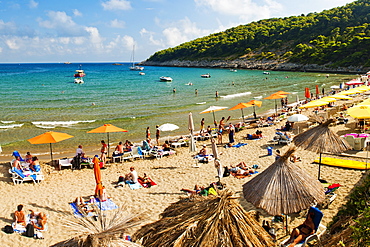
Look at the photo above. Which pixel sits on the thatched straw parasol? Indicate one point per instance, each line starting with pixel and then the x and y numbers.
pixel 321 139
pixel 205 221
pixel 107 231
pixel 283 188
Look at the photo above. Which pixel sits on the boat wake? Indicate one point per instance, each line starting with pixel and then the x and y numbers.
pixel 201 103
pixel 258 97
pixel 235 95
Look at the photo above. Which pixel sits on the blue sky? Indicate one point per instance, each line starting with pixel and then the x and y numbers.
pixel 107 30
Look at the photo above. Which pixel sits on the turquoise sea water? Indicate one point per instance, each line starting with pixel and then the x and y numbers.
pixel 36 98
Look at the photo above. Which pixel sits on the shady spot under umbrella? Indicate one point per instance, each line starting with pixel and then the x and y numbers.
pixel 295 118
pixel 107 128
pixel 50 137
pixel 240 106
pixel 276 96
pixel 321 139
pixel 213 109
pixel 255 103
pixel 283 188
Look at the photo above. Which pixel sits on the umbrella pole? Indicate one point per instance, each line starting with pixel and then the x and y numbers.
pixel 51 153
pixel 275 108
pixel 318 176
pixel 254 112
pixel 242 114
pixel 108 146
pixel 214 119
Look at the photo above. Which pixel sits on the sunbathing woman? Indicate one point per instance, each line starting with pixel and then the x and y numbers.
pixel 301 232
pixel 40 223
pixel 20 216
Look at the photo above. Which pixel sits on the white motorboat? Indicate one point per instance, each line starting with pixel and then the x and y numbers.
pixel 205 75
pixel 78 80
pixel 141 73
pixel 266 72
pixel 165 78
pixel 233 70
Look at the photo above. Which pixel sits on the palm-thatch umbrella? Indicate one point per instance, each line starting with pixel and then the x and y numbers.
pixel 108 230
pixel 205 221
pixel 321 139
pixel 283 188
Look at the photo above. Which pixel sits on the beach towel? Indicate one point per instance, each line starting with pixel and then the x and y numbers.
pixel 76 211
pixel 240 176
pixel 135 186
pixel 106 205
pixel 147 185
pixel 236 145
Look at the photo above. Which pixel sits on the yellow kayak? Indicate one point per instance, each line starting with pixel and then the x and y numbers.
pixel 352 164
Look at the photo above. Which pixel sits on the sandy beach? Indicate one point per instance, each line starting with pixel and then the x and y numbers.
pixel 171 173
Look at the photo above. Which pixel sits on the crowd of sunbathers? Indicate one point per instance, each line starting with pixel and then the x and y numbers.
pixel 202 190
pixel 242 169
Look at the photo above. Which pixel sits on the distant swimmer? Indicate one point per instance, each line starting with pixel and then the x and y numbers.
pixel 196 91
pixel 92 103
pixel 174 90
pixel 233 83
pixel 217 94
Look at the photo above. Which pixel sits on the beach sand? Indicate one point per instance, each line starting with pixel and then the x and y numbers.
pixel 170 173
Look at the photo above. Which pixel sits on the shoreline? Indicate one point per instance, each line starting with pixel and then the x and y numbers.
pixel 258 65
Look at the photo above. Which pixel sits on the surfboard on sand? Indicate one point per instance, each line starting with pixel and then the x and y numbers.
pixel 351 164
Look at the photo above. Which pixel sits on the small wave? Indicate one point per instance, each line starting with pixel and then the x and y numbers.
pixel 201 103
pixel 294 92
pixel 6 122
pixel 11 126
pixel 53 124
pixel 235 95
pixel 258 97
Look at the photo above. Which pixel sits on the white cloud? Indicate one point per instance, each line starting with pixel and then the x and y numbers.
pixel 117 24
pixel 76 12
pixel 62 24
pixel 183 31
pixel 246 10
pixel 12 44
pixel 33 4
pixel 95 37
pixel 116 5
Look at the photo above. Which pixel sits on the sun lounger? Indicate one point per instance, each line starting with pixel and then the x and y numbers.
pixel 67 162
pixel 19 177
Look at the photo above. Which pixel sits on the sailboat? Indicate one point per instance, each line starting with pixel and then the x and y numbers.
pixel 133 66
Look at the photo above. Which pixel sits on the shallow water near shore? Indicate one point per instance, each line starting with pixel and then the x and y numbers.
pixel 36 98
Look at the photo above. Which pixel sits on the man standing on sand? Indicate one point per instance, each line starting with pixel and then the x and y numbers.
pixel 157 134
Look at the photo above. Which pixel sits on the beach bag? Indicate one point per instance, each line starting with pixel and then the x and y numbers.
pixel 121 179
pixel 226 172
pixel 8 229
pixel 30 231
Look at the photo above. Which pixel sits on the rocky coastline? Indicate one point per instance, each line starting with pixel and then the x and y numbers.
pixel 273 65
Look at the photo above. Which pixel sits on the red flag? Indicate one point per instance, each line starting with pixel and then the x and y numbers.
pixel 317 90
pixel 307 93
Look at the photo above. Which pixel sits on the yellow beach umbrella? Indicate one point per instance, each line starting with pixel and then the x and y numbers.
pixel 360 111
pixel 365 102
pixel 328 99
pixel 314 103
pixel 255 103
pixel 276 96
pixel 339 96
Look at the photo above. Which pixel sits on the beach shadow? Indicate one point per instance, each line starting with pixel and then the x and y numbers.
pixel 166 193
pixel 164 168
pixel 49 208
pixel 262 156
pixel 6 220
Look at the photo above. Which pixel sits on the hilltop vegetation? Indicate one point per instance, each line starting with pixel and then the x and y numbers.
pixel 335 37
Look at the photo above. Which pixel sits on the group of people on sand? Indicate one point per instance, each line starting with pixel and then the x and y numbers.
pixel 37 219
pixel 31 163
pixel 242 169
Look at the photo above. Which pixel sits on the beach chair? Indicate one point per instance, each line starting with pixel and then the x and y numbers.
pixel 137 153
pixel 67 162
pixel 351 140
pixel 319 229
pixel 126 156
pixel 18 177
pixel 284 140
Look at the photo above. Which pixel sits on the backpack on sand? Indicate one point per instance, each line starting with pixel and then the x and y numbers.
pixel 30 231
pixel 8 229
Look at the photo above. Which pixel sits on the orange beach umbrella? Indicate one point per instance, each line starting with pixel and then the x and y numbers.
pixel 276 96
pixel 281 92
pixel 255 103
pixel 240 106
pixel 49 137
pixel 107 128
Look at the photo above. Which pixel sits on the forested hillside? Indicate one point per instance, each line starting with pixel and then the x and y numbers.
pixel 335 37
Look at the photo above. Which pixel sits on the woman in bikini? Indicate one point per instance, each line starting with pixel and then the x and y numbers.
pixel 301 232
